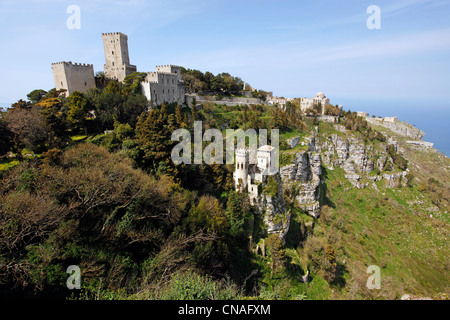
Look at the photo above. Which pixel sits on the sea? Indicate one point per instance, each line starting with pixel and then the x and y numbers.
pixel 430 116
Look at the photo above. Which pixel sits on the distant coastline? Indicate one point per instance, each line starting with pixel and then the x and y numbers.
pixel 429 116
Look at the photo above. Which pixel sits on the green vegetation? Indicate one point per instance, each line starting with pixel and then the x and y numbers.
pixel 88 180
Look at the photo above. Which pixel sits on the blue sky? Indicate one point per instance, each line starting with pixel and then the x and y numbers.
pixel 293 48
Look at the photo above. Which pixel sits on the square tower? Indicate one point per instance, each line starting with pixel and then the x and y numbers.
pixel 73 76
pixel 170 69
pixel 117 60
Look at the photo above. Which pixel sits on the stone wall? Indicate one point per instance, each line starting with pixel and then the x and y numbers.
pixel 164 85
pixel 401 128
pixel 117 60
pixel 73 76
pixel 227 101
pixel 331 119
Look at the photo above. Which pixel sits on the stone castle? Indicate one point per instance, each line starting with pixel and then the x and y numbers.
pixel 117 60
pixel 252 169
pixel 73 76
pixel 163 85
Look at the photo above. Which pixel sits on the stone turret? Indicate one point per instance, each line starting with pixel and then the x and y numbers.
pixel 241 172
pixel 117 60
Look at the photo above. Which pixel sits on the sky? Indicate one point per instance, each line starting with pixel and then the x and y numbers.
pixel 293 48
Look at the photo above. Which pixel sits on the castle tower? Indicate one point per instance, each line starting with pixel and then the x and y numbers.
pixel 73 76
pixel 117 60
pixel 164 85
pixel 241 172
pixel 170 69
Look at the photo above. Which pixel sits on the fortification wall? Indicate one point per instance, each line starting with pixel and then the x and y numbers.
pixel 73 76
pixel 227 101
pixel 162 87
pixel 401 128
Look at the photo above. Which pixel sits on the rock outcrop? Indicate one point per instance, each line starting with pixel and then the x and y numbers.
pixel 276 214
pixel 401 128
pixel 303 176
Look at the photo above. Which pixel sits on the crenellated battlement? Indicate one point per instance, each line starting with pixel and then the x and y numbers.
pixel 168 65
pixel 114 34
pixel 69 63
pixel 242 152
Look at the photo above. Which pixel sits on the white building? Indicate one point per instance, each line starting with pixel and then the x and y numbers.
pixel 164 85
pixel 252 169
pixel 362 114
pixel 391 119
pixel 319 99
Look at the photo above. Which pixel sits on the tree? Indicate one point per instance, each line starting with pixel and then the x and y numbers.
pixel 238 214
pixel 108 106
pixel 28 126
pixel 153 134
pixel 101 81
pixel 179 118
pixel 36 95
pixel 131 109
pixel 5 137
pixel 132 83
pixel 208 214
pixel 56 121
pixel 78 108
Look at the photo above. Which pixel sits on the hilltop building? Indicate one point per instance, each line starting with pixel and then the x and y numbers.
pixel 117 61
pixel 362 114
pixel 319 99
pixel 252 169
pixel 164 85
pixel 73 76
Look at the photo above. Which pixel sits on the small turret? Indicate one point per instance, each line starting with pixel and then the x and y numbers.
pixel 241 173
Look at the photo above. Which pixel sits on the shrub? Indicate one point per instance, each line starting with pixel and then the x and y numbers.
pixel 192 286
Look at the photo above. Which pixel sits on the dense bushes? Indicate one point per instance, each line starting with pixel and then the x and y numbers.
pixel 88 207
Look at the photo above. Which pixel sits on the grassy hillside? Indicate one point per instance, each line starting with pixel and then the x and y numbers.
pixel 386 228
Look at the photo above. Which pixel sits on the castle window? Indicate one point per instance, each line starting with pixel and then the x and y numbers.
pixel 113 64
pixel 113 52
pixel 85 84
pixel 61 83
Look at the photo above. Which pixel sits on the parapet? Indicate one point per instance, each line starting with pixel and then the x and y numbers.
pixel 69 63
pixel 241 152
pixel 168 65
pixel 114 34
